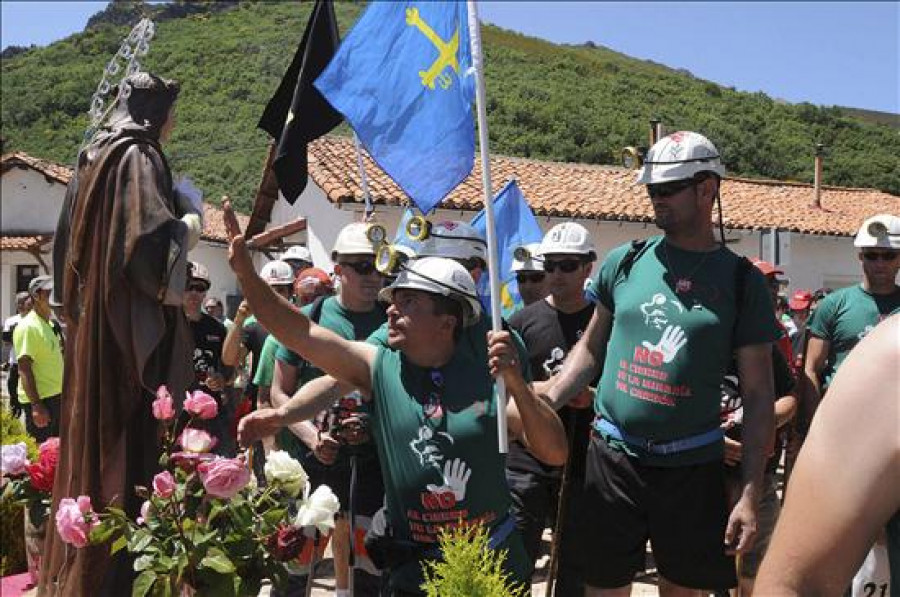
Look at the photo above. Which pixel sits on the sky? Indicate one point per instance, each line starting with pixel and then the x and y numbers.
pixel 826 53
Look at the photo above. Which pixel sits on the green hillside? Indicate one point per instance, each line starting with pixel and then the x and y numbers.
pixel 568 103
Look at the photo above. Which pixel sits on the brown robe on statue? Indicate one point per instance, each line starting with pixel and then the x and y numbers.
pixel 120 263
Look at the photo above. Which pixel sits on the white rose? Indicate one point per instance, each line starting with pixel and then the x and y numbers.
pixel 318 510
pixel 285 472
pixel 13 459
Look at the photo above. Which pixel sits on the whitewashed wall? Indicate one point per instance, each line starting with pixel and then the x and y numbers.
pixel 30 204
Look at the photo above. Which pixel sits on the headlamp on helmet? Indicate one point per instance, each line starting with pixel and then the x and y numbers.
pixel 438 275
pixel 680 156
pixel 881 231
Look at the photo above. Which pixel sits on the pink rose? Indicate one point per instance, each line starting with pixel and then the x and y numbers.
pixel 75 519
pixel 163 406
pixel 188 461
pixel 13 459
pixel 164 484
pixel 196 440
pixel 224 477
pixel 200 404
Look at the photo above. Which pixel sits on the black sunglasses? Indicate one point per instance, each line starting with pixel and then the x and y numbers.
pixel 197 287
pixel 667 189
pixel 566 266
pixel 363 268
pixel 876 255
pixel 534 278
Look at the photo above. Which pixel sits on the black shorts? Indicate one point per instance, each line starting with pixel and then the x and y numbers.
pixel 683 511
pixel 368 494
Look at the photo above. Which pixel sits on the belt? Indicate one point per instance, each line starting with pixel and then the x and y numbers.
pixel 610 429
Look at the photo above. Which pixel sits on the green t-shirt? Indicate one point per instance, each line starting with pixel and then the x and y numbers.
pixel 439 458
pixel 263 377
pixel 844 317
pixel 668 351
pixel 34 337
pixel 351 325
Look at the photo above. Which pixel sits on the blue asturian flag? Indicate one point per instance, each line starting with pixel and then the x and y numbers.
pixel 403 80
pixel 516 226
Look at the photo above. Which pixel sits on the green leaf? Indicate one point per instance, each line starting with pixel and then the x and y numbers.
pixel 103 532
pixel 139 541
pixel 143 563
pixel 143 583
pixel 118 544
pixel 274 516
pixel 218 561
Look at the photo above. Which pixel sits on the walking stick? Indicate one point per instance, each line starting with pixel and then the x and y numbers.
pixel 351 513
pixel 561 508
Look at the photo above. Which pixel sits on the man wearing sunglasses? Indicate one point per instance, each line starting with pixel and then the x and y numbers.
pixel 669 316
pixel 550 328
pixel 530 275
pixel 210 373
pixel 845 316
pixel 439 454
pixel 324 444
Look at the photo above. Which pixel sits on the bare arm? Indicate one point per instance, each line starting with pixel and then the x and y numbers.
pixel 344 359
pixel 754 364
pixel 842 490
pixel 233 350
pixel 584 361
pixel 816 358
pixel 309 400
pixel 529 417
pixel 284 382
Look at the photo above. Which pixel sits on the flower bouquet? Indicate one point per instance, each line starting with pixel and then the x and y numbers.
pixel 205 526
pixel 30 483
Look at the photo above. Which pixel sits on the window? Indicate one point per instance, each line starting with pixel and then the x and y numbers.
pixel 24 275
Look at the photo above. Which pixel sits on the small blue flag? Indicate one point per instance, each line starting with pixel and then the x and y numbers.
pixel 516 226
pixel 403 81
pixel 401 237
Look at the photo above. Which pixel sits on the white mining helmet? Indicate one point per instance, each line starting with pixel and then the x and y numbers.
pixel 277 273
pixel 455 240
pixel 297 252
pixel 568 238
pixel 526 259
pixel 439 276
pixel 357 239
pixel 881 231
pixel 680 156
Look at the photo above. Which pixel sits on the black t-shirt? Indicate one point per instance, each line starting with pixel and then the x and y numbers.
pixel 733 403
pixel 253 336
pixel 549 335
pixel 209 337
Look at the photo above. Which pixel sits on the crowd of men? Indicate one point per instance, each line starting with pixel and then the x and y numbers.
pixel 655 391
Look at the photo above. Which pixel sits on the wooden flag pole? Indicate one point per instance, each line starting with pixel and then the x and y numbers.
pixel 493 260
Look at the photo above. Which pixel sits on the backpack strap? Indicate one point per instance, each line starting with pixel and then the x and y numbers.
pixel 315 312
pixel 624 267
pixel 741 273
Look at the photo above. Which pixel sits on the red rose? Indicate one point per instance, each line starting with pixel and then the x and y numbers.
pixel 48 453
pixel 286 543
pixel 41 476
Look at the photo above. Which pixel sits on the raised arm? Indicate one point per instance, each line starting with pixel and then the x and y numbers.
pixel 845 485
pixel 233 350
pixel 531 419
pixel 346 360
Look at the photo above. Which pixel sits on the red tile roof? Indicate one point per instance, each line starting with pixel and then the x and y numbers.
pixel 609 193
pixel 53 171
pixel 213 217
pixel 24 243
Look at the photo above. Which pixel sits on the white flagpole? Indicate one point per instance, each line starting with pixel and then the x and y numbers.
pixel 493 260
pixel 363 179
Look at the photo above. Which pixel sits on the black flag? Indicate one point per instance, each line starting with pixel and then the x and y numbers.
pixel 298 113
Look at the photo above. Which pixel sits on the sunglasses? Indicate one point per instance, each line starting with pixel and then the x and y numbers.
pixel 667 189
pixel 197 287
pixel 875 256
pixel 363 268
pixel 535 278
pixel 566 266
pixel 472 263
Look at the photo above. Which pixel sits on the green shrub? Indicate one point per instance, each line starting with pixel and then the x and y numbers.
pixel 470 568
